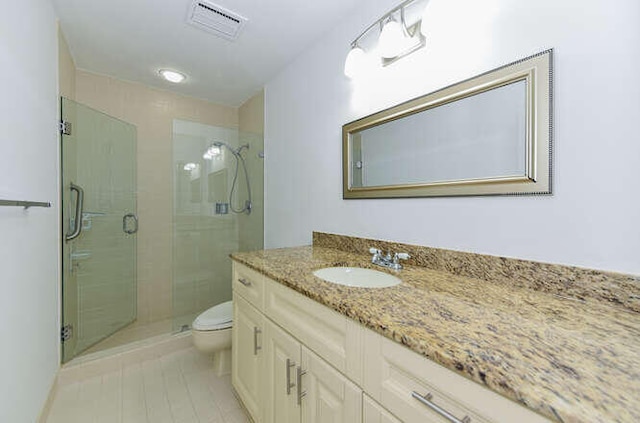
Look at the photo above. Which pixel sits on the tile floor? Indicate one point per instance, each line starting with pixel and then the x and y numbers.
pixel 179 387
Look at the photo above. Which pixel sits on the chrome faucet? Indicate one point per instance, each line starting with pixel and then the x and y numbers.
pixel 392 262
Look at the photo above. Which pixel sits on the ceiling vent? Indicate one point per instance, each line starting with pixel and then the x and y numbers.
pixel 215 19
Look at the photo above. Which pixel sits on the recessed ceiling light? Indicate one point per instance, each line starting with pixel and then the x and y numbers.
pixel 172 76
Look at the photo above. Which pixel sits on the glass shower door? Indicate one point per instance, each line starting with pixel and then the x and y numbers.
pixel 99 226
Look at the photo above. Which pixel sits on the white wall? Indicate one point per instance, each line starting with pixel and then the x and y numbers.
pixel 592 218
pixel 29 352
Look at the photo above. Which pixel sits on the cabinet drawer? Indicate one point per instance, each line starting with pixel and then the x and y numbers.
pixel 249 284
pixel 393 373
pixel 332 336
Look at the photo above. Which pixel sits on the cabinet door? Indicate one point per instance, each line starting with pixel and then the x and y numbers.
pixel 329 397
pixel 332 336
pixel 248 356
pixel 374 413
pixel 282 354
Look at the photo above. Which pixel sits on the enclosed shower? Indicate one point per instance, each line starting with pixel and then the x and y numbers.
pixel 216 208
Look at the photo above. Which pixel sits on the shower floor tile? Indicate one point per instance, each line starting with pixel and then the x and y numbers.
pixel 180 387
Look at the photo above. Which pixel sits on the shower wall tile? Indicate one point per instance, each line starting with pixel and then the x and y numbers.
pixel 153 112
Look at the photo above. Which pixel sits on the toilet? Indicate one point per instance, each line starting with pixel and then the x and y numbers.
pixel 211 333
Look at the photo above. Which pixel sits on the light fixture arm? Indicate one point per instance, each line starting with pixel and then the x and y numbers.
pixel 403 24
pixel 384 17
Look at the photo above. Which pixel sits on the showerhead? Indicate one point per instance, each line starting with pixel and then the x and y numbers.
pixel 235 151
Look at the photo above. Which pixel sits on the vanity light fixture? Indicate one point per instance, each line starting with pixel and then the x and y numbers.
pixel 172 76
pixel 356 61
pixel 395 41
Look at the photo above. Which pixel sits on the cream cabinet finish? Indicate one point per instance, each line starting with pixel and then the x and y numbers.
pixel 372 412
pixel 290 323
pixel 250 284
pixel 283 356
pixel 350 374
pixel 393 373
pixel 330 397
pixel 331 335
pixel 248 355
pixel 324 394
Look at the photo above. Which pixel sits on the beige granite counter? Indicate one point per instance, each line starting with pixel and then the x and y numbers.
pixel 572 360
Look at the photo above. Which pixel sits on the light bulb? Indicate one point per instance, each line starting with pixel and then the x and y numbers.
pixel 172 76
pixel 392 40
pixel 355 62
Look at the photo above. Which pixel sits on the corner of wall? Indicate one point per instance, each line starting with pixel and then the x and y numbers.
pixel 66 68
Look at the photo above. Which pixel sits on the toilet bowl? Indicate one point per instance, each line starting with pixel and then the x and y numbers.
pixel 211 333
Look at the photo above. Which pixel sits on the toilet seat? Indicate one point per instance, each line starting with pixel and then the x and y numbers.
pixel 216 318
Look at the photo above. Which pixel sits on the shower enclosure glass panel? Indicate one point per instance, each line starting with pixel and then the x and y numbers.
pixel 99 226
pixel 206 229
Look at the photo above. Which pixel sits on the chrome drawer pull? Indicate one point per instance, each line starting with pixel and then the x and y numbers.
pixel 301 393
pixel 256 347
pixel 290 364
pixel 244 282
pixel 426 400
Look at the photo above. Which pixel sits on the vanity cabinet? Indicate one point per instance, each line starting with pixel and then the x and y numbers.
pixel 275 373
pixel 295 360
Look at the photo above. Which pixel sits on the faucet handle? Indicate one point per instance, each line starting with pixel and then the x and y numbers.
pixel 400 256
pixel 376 255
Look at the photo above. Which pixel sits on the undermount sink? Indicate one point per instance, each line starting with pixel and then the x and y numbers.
pixel 357 277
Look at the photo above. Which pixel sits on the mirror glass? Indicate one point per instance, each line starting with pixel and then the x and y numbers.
pixel 482 136
pixel 485 136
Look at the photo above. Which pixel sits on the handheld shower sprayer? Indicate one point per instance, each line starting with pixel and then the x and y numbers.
pixel 239 159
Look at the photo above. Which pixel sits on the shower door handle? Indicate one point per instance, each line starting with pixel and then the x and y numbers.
pixel 125 227
pixel 77 221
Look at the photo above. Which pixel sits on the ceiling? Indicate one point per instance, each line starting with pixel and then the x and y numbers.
pixel 133 39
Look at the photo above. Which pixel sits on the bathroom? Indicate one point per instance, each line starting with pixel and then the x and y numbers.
pixel 299 107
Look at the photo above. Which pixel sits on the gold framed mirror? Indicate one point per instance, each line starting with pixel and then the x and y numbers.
pixel 488 135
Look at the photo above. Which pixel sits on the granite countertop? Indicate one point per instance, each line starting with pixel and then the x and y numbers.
pixel 571 360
